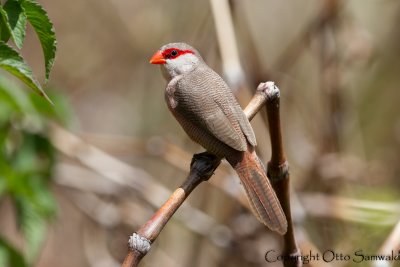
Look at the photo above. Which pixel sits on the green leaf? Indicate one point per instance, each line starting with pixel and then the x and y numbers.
pixel 33 227
pixel 3 139
pixel 39 20
pixel 4 25
pixel 10 256
pixel 11 61
pixel 15 97
pixel 16 20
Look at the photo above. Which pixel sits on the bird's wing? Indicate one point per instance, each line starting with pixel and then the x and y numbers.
pixel 244 124
pixel 231 108
pixel 220 126
pixel 205 99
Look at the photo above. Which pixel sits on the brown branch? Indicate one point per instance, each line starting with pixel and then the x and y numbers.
pixel 278 173
pixel 201 169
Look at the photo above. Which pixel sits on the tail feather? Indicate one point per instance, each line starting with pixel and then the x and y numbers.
pixel 263 201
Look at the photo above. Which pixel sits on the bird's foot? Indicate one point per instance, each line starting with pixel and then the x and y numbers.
pixel 204 164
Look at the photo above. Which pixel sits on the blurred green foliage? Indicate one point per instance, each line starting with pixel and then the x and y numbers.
pixel 26 162
pixel 26 154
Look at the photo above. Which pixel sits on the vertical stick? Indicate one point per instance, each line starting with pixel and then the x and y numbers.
pixel 232 68
pixel 278 173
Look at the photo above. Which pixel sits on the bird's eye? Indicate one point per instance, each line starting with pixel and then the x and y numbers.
pixel 174 53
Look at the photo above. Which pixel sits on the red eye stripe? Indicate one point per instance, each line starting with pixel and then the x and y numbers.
pixel 172 53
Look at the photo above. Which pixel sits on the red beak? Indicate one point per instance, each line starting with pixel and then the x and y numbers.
pixel 157 58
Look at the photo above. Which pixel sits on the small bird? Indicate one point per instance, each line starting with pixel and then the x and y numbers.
pixel 209 113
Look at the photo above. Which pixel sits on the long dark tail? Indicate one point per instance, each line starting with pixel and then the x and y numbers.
pixel 262 197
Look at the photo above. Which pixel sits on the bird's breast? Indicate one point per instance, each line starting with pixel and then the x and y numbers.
pixel 170 93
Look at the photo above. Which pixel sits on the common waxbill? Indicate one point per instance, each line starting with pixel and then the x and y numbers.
pixel 207 110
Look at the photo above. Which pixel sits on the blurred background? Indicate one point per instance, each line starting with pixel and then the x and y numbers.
pixel 109 153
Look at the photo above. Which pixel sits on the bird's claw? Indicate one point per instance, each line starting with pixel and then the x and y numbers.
pixel 204 164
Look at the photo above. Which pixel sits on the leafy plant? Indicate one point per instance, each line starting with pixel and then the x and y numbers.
pixel 15 14
pixel 26 163
pixel 26 154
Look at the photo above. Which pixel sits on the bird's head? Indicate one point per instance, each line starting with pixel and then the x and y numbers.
pixel 176 59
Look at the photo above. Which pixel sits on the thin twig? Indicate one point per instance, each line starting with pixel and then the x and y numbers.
pixel 278 173
pixel 391 244
pixel 201 169
pixel 351 209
